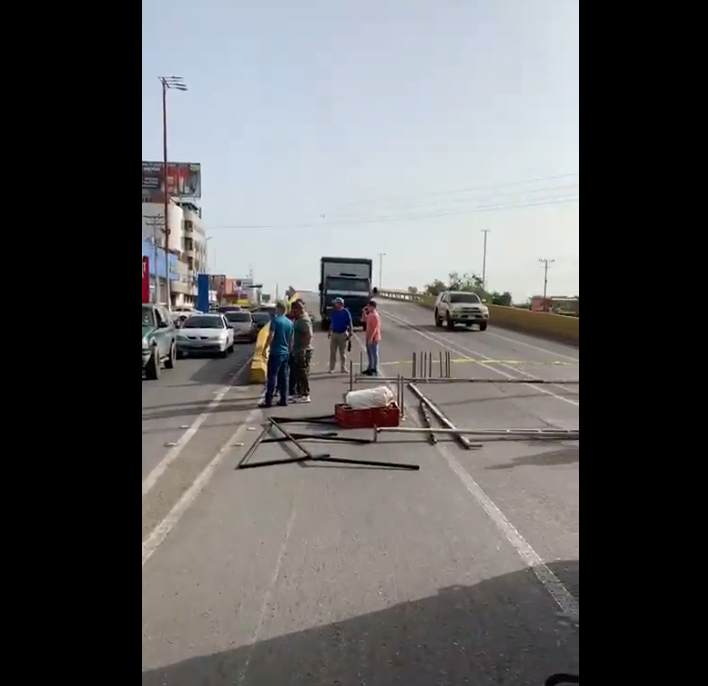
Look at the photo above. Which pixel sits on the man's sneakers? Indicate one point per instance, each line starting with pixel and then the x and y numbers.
pixel 300 399
pixel 370 372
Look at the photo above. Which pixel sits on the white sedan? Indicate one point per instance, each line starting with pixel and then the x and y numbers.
pixel 205 333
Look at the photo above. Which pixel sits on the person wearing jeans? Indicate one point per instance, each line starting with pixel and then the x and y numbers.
pixel 373 338
pixel 279 345
pixel 302 354
pixel 340 332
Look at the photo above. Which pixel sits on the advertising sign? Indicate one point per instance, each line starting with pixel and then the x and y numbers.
pixel 184 179
pixel 146 279
pixel 203 285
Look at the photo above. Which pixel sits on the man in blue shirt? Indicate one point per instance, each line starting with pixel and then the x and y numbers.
pixel 340 332
pixel 279 346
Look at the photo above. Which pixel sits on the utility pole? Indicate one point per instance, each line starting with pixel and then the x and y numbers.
pixel 156 224
pixel 484 260
pixel 381 256
pixel 546 266
pixel 168 83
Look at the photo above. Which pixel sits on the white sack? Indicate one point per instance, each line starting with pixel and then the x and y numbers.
pixel 368 398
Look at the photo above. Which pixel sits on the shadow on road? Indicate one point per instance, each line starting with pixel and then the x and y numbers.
pixel 502 396
pixel 215 369
pixel 504 631
pixel 567 455
pixel 198 408
pixel 458 329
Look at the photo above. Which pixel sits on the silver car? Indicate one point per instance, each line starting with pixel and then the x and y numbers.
pixel 205 333
pixel 245 330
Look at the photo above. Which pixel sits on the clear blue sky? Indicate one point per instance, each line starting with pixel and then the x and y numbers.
pixel 372 113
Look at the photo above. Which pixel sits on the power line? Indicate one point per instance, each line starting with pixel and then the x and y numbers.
pixel 469 189
pixel 412 217
pixel 423 207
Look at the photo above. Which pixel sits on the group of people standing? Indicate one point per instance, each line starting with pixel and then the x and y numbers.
pixel 290 351
pixel 290 346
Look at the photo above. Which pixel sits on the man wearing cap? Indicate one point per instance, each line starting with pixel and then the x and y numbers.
pixel 340 332
pixel 279 345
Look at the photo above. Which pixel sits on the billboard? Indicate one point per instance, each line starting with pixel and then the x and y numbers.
pixel 184 180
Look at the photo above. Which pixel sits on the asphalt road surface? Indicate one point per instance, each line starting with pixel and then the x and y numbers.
pixel 465 572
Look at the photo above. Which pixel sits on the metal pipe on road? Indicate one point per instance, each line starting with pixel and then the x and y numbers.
pixel 500 380
pixel 441 417
pixel 520 433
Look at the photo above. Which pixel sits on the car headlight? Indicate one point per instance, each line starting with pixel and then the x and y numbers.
pixel 181 337
pixel 485 309
pixel 146 345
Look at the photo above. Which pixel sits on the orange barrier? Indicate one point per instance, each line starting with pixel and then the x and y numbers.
pixel 259 364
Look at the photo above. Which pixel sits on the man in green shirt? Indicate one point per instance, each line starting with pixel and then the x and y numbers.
pixel 302 352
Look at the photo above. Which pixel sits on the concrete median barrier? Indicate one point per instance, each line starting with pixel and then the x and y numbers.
pixel 259 364
pixel 543 324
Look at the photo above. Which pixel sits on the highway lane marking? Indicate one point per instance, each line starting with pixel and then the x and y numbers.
pixel 164 464
pixel 443 342
pixel 533 347
pixel 268 597
pixel 164 528
pixel 529 345
pixel 554 586
pixel 467 360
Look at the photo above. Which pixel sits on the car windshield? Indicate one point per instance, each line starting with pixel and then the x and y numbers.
pixel 148 317
pixel 204 323
pixel 340 285
pixel 261 317
pixel 465 298
pixel 239 317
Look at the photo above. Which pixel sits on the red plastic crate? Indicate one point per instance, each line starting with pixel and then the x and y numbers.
pixel 349 418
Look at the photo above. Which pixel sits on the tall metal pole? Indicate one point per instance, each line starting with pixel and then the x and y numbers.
pixel 546 265
pixel 381 256
pixel 484 260
pixel 166 175
pixel 168 83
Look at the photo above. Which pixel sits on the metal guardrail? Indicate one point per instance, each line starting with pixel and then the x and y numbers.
pixel 545 324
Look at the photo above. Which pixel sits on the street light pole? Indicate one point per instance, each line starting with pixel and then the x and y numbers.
pixel 168 83
pixel 546 265
pixel 484 260
pixel 381 256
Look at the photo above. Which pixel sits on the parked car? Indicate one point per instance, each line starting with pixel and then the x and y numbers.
pixel 260 319
pixel 461 307
pixel 245 330
pixel 159 341
pixel 205 333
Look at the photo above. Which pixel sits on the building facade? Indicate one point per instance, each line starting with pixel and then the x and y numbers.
pixel 187 246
